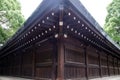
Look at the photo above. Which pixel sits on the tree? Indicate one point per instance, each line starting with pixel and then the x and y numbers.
pixel 11 18
pixel 112 22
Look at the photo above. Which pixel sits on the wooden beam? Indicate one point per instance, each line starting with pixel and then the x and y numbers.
pixel 33 62
pixel 21 64
pixel 108 65
pixel 118 65
pixel 114 65
pixel 100 68
pixel 54 59
pixel 86 61
pixel 60 71
pixel 60 44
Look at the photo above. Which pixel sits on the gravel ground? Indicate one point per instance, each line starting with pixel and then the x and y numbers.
pixel 108 78
pixel 104 78
pixel 12 78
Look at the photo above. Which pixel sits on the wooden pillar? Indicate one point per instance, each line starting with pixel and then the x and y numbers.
pixel 33 62
pixel 60 44
pixel 21 64
pixel 100 65
pixel 54 59
pixel 108 65
pixel 118 65
pixel 114 65
pixel 60 71
pixel 13 74
pixel 86 61
pixel 21 69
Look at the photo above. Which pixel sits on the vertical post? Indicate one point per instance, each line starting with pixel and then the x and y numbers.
pixel 21 64
pixel 113 66
pixel 21 71
pixel 33 63
pixel 86 61
pixel 118 66
pixel 54 59
pixel 60 71
pixel 108 65
pixel 100 65
pixel 60 60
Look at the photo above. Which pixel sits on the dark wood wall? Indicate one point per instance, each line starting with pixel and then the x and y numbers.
pixel 74 60
pixel 44 62
pixel 41 62
pixel 34 62
pixel 84 62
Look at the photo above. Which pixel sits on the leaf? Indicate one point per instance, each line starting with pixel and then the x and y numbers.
pixel 11 18
pixel 112 22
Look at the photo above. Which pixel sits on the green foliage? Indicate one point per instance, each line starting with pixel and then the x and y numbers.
pixel 112 24
pixel 6 5
pixel 10 18
pixel 3 36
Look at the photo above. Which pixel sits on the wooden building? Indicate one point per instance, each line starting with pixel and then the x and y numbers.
pixel 60 41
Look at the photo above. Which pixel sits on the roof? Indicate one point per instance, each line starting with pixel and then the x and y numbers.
pixel 46 22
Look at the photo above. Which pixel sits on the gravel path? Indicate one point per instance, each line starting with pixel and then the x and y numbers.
pixel 105 78
pixel 108 78
pixel 12 78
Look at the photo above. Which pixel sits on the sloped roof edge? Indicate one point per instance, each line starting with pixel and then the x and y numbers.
pixel 87 15
pixel 33 17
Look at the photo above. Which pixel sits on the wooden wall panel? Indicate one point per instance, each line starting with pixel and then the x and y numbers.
pixel 93 57
pixel 93 62
pixel 43 67
pixel 73 72
pixel 104 64
pixel 74 55
pixel 17 64
pixel 27 63
pixel 41 62
pixel 103 59
pixel 74 60
pixel 74 52
pixel 93 72
pixel 104 71
pixel 118 66
pixel 110 63
pixel 44 73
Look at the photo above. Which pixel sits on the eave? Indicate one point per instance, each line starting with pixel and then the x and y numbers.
pixel 44 24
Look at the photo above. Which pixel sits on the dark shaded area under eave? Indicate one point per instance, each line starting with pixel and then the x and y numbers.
pixel 77 8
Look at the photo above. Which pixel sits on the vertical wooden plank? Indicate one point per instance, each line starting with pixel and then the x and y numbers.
pixel 13 64
pixel 54 59
pixel 33 62
pixel 108 65
pixel 100 65
pixel 86 61
pixel 113 65
pixel 60 72
pixel 21 64
pixel 118 65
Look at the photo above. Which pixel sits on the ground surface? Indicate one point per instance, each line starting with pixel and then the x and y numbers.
pixel 12 78
pixel 108 78
pixel 16 78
